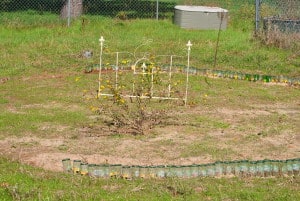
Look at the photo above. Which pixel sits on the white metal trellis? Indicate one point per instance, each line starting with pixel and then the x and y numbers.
pixel 137 72
pixel 101 40
pixel 189 45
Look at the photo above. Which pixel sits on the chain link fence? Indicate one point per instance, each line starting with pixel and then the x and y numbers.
pixel 278 15
pixel 128 9
pixel 112 8
pixel 278 22
pixel 284 14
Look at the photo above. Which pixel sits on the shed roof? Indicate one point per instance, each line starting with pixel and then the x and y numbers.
pixel 201 9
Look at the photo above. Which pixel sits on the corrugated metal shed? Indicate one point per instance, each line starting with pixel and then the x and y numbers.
pixel 200 17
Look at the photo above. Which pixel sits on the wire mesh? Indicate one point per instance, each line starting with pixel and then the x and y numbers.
pixel 124 9
pixel 278 15
pixel 287 11
pixel 112 8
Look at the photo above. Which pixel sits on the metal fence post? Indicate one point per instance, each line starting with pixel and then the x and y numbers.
pixel 257 14
pixel 69 12
pixel 157 9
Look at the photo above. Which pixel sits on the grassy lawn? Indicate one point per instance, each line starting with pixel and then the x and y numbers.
pixel 46 105
pixel 20 182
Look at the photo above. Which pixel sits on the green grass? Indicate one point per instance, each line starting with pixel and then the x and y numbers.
pixel 20 182
pixel 33 48
pixel 30 18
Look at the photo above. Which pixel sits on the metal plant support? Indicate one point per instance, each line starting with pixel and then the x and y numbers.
pixel 101 40
pixel 189 45
pixel 142 72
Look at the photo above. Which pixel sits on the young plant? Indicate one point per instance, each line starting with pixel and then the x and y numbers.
pixel 138 113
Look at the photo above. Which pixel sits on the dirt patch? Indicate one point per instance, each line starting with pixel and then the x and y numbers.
pixel 242 137
pixel 45 153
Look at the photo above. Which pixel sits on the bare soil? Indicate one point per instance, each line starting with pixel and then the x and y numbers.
pixel 245 138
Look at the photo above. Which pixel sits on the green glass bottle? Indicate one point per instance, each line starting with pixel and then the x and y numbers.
pixel 84 169
pixel 267 168
pixel 228 168
pixel 203 170
pixel 244 168
pixel 296 166
pixel 143 172
pixel 289 165
pixel 126 172
pixel 135 169
pixel 194 170
pixel 115 170
pixel 161 171
pixel 91 169
pixel 67 166
pixel 211 169
pixel 260 168
pixel 218 168
pixel 252 168
pixel 76 166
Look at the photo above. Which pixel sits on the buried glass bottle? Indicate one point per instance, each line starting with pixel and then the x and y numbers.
pixel 267 168
pixel 170 171
pixel 91 169
pixel 219 168
pixel 228 169
pixel 152 171
pixel 252 168
pixel 186 171
pixel 98 172
pixel 244 168
pixel 161 171
pixel 289 166
pixel 260 168
pixel 115 170
pixel 211 169
pixel 67 166
pixel 178 171
pixel 275 167
pixel 84 169
pixel 76 166
pixel 143 172
pixel 194 170
pixel 203 170
pixel 284 168
pixel 135 171
pixel 106 172
pixel 296 166
pixel 236 168
pixel 101 170
pixel 126 172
